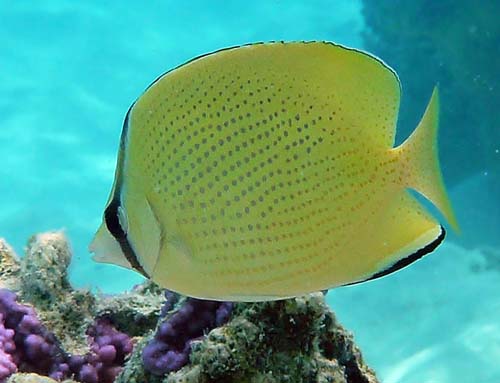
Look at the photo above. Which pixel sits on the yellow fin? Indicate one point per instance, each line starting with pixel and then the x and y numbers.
pixel 401 232
pixel 420 162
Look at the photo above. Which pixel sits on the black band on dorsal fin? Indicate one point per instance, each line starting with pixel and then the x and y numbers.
pixel 406 260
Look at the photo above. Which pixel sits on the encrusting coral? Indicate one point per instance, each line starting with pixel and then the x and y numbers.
pixel 50 332
pixel 34 378
pixel 109 348
pixel 34 348
pixel 82 341
pixel 7 349
pixel 9 267
pixel 44 283
pixel 171 345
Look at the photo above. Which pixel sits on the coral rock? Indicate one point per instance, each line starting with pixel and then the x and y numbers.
pixel 34 378
pixel 171 346
pixel 9 266
pixel 133 312
pixel 65 332
pixel 45 285
pixel 294 340
pixel 44 268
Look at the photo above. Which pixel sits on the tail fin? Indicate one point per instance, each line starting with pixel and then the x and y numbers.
pixel 419 157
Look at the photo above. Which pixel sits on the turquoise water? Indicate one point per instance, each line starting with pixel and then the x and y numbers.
pixel 69 71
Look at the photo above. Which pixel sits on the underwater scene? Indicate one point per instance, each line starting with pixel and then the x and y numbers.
pixel 256 192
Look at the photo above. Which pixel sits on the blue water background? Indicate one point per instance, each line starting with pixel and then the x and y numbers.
pixel 68 73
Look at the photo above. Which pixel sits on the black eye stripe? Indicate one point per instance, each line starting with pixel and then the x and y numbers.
pixel 111 213
pixel 112 221
pixel 116 230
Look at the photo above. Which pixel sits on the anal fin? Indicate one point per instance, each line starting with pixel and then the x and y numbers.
pixel 402 232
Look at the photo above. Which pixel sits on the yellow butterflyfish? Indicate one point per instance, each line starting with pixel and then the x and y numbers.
pixel 268 171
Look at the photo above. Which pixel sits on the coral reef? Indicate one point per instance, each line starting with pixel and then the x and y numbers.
pixel 134 312
pixel 109 349
pixel 44 283
pixel 28 345
pixel 170 348
pixel 57 303
pixel 83 341
pixel 131 338
pixel 34 348
pixel 294 340
pixel 34 378
pixel 9 266
pixel 455 44
pixel 7 349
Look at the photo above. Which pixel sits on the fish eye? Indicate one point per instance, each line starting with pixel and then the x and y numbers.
pixel 113 221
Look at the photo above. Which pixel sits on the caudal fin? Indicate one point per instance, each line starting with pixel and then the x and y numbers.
pixel 420 162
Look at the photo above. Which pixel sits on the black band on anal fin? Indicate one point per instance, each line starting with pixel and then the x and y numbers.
pixel 407 260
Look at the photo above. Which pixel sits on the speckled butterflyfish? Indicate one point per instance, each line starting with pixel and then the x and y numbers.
pixel 268 171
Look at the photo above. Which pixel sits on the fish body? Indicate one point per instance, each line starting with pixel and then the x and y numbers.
pixel 269 171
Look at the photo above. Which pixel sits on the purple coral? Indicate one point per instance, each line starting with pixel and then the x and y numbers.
pixel 109 348
pixel 171 299
pixel 7 348
pixel 35 348
pixel 27 345
pixel 169 349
